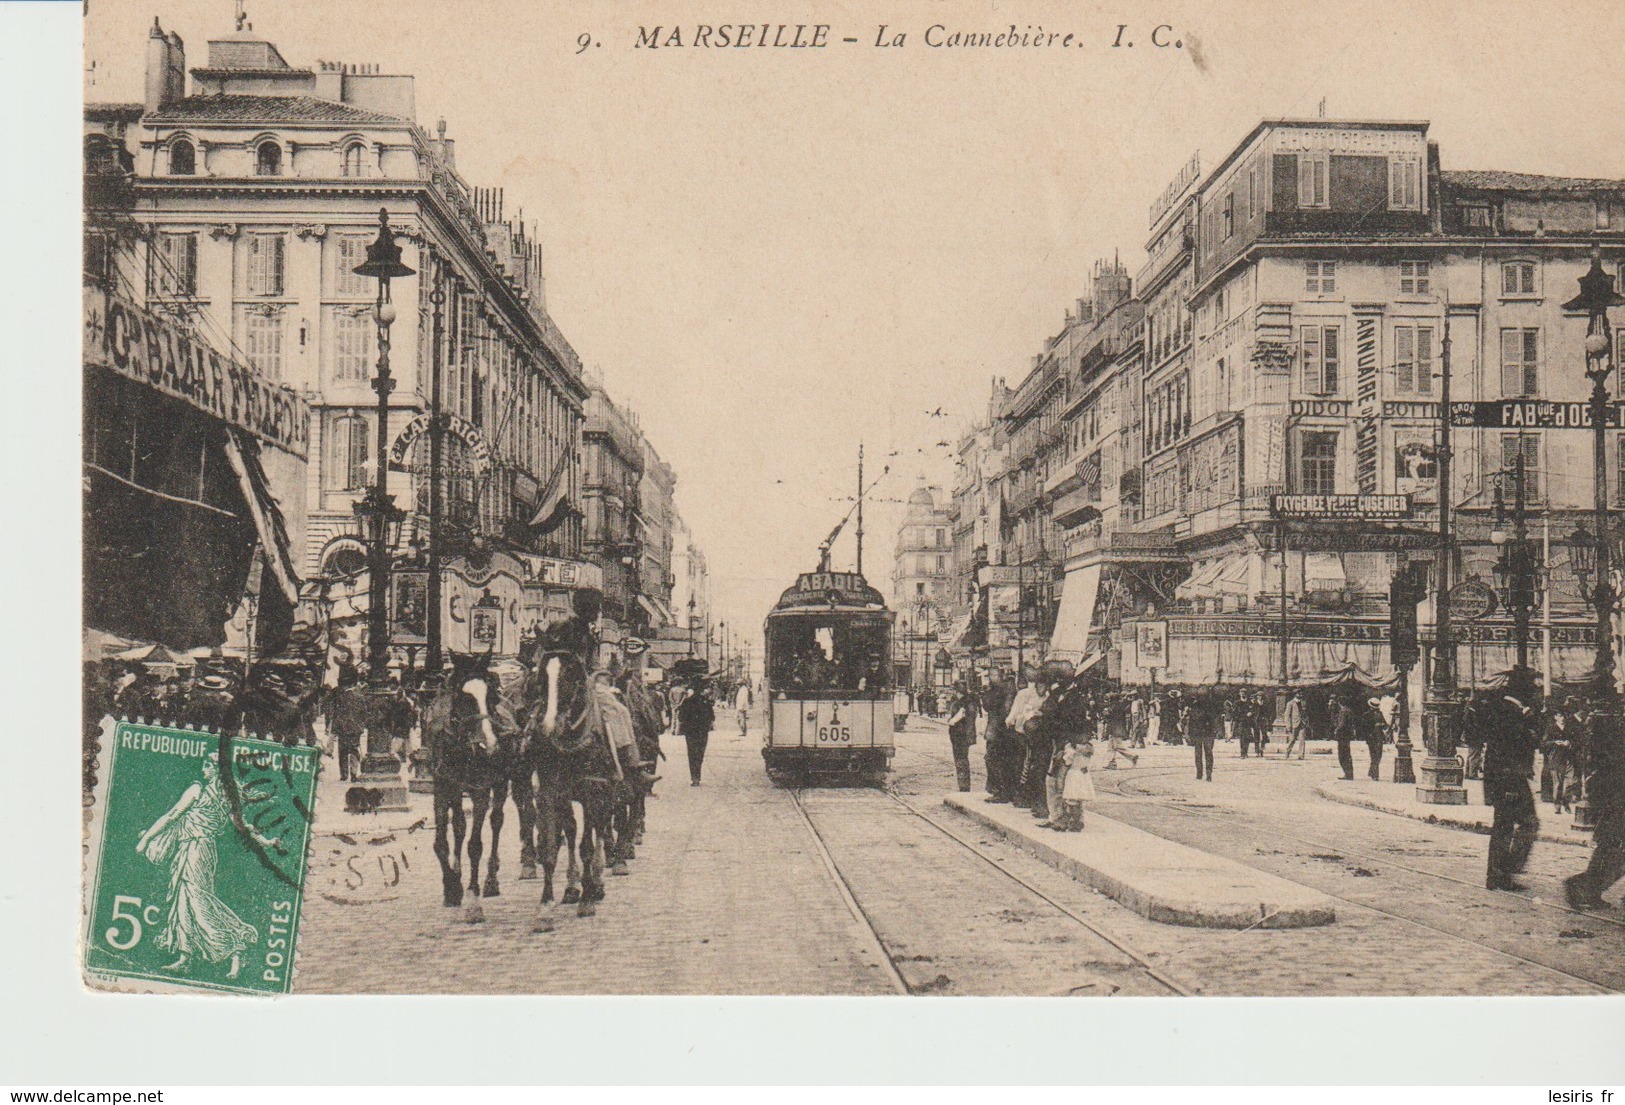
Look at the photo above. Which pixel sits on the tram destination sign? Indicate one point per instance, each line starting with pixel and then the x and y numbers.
pixel 1532 414
pixel 1364 508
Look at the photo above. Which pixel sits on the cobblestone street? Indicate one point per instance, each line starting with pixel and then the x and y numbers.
pixel 730 894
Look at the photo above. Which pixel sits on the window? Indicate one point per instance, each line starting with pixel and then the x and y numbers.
pixel 1518 278
pixel 1312 179
pixel 263 343
pixel 182 158
pixel 349 251
pixel 1529 446
pixel 1404 187
pixel 1619 471
pixel 1317 462
pixel 265 255
pixel 1520 361
pixel 352 346
pixel 347 454
pixel 1320 277
pixel 942 564
pixel 1413 359
pixel 177 264
pixel 354 160
pixel 1252 192
pixel 1229 214
pixel 1320 351
pixel 1475 215
pixel 1415 277
pixel 268 159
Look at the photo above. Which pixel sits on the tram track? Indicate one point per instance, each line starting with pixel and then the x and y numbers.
pixel 1124 787
pixel 1140 961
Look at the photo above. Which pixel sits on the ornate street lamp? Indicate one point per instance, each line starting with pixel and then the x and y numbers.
pixel 1597 294
pixel 1515 569
pixel 377 508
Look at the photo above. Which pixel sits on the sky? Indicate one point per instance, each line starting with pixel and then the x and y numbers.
pixel 773 255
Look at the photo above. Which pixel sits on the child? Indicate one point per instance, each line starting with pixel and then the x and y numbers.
pixel 1078 785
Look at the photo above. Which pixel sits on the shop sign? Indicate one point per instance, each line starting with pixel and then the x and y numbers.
pixel 1367 508
pixel 1471 600
pixel 141 346
pixel 479 452
pixel 1151 644
pixel 1532 414
pixel 1320 408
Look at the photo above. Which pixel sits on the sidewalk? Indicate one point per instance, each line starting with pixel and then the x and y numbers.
pixel 331 817
pixel 1475 816
pixel 1158 879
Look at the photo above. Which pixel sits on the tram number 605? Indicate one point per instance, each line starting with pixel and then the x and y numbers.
pixel 834 734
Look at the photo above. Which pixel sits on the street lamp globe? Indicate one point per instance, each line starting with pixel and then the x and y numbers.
pixel 384 314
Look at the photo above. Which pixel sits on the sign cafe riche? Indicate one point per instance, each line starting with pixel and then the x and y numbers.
pixel 141 346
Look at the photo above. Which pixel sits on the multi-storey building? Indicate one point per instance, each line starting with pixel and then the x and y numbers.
pixel 611 489
pixel 922 582
pixel 691 589
pixel 1334 265
pixel 659 518
pixel 257 195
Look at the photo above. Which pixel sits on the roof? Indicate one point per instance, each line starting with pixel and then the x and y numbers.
pixel 113 111
pixel 1494 180
pixel 1316 124
pixel 265 109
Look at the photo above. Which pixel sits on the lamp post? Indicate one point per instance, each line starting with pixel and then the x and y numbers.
pixel 1439 779
pixel 692 618
pixel 1515 570
pixel 1597 294
pixel 377 508
pixel 433 659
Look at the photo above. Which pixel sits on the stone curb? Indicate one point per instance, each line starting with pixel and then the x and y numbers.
pixel 1239 897
pixel 1464 822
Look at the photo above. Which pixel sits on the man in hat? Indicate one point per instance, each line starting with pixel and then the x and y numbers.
pixel 1511 734
pixel 1206 720
pixel 1297 725
pixel 1605 788
pixel 997 699
pixel 696 714
pixel 577 634
pixel 347 712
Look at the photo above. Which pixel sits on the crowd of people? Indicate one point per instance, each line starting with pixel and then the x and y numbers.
pixel 1046 735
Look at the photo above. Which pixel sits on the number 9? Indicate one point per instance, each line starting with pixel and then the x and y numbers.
pixel 583 41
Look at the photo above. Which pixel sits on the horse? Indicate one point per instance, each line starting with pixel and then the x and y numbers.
pixel 564 746
pixel 471 736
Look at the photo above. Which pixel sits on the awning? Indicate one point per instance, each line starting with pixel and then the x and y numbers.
pixel 1235 576
pixel 1200 583
pixel 956 634
pixel 243 453
pixel 1323 572
pixel 663 610
pixel 1070 641
pixel 649 608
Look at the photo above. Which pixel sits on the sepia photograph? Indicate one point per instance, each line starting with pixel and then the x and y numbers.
pixel 928 499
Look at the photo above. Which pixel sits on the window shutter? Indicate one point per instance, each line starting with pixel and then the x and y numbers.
pixel 1424 360
pixel 1329 355
pixel 1531 362
pixel 1405 358
pixel 1511 369
pixel 1309 351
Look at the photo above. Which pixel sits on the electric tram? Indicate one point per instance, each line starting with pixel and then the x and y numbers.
pixel 828 686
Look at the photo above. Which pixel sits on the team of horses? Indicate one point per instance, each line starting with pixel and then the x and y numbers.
pixel 557 738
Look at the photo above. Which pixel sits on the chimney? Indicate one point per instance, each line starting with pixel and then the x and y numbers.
pixel 176 85
pixel 161 61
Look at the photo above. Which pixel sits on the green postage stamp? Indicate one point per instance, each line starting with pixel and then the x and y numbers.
pixel 197 861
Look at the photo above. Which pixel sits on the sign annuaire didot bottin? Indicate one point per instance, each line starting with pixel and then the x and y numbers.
pixel 1532 414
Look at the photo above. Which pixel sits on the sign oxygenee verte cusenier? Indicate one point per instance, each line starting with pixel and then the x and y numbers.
pixel 1366 508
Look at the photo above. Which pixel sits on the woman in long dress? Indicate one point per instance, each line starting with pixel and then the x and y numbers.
pixel 197 922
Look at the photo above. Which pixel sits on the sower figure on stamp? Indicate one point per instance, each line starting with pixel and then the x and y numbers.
pixel 1511 733
pixel 196 922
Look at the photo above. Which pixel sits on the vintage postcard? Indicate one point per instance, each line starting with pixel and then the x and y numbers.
pixel 945 498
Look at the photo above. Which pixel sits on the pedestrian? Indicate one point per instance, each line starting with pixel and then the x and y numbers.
pixel 1555 757
pixel 1024 723
pixel 961 732
pixel 1473 739
pixel 742 707
pixel 1244 721
pixel 1604 788
pixel 1264 706
pixel 1153 720
pixel 1297 725
pixel 1078 785
pixel 1117 725
pixel 1067 716
pixel 1343 725
pixel 347 710
pixel 997 699
pixel 1375 731
pixel 1511 730
pixel 695 717
pixel 1205 722
pixel 1175 713
pixel 1138 716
